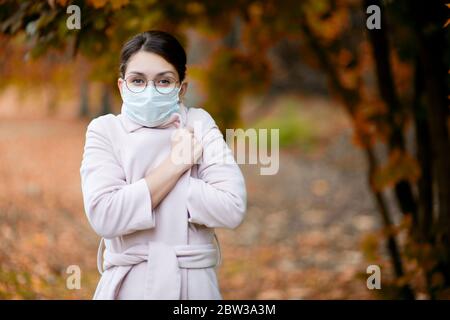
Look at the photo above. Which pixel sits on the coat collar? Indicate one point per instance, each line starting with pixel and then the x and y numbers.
pixel 130 125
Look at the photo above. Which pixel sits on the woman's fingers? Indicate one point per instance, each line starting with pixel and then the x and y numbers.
pixel 197 150
pixel 186 146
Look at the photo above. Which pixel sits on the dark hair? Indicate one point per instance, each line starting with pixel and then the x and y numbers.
pixel 158 42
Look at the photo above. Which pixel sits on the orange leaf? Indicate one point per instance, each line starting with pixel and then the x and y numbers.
pixel 447 23
pixel 400 166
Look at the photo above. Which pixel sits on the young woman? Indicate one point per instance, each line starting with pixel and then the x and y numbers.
pixel 153 187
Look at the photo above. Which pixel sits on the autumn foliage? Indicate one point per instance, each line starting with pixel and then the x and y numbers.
pixel 392 83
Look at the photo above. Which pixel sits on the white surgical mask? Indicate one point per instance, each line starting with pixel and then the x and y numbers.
pixel 149 107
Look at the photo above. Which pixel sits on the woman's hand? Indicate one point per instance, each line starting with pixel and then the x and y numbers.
pixel 185 152
pixel 186 149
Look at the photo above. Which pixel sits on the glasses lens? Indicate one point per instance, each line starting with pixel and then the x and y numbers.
pixel 136 83
pixel 165 85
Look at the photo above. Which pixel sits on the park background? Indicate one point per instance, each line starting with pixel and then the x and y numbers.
pixel 363 118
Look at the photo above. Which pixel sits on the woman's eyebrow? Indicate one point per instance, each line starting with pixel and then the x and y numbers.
pixel 158 74
pixel 137 72
pixel 164 72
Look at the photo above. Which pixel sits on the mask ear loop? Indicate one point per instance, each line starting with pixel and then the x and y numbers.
pixel 180 123
pixel 179 89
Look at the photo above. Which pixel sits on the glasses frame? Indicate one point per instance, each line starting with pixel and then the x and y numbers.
pixel 154 85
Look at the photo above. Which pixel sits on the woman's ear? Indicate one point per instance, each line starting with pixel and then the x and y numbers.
pixel 119 84
pixel 183 89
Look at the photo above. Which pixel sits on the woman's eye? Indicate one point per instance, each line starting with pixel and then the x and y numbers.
pixel 164 82
pixel 138 81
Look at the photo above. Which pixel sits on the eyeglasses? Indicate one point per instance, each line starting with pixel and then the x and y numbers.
pixel 163 84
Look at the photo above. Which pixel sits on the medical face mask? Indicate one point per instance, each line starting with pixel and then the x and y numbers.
pixel 149 107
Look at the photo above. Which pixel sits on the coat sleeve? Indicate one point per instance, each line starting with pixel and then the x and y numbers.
pixel 113 206
pixel 218 197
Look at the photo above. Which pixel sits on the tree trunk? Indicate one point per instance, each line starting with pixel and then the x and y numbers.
pixel 395 117
pixel 422 136
pixel 405 291
pixel 84 100
pixel 428 28
pixel 106 106
pixel 351 99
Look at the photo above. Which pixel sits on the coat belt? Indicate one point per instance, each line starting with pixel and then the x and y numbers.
pixel 163 275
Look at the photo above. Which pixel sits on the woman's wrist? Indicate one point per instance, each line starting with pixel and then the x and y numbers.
pixel 176 168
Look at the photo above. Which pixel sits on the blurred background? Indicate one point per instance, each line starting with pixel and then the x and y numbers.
pixel 363 118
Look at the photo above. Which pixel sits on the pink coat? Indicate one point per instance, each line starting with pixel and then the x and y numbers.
pixel 167 252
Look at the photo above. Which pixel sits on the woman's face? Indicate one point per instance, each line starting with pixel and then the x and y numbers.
pixel 151 65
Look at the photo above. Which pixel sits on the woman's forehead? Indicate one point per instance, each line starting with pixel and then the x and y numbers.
pixel 150 64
